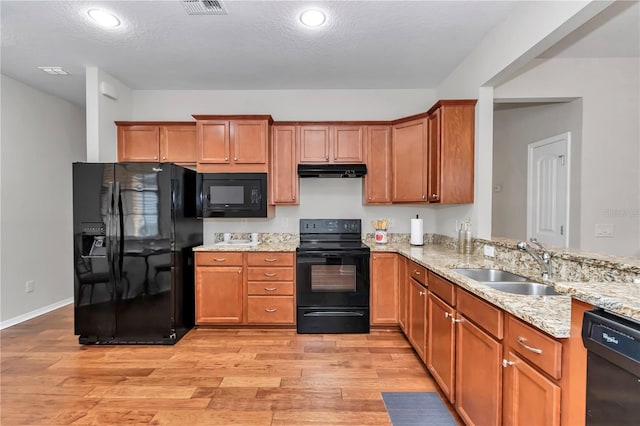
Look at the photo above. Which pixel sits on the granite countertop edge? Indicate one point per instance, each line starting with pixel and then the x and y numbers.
pixel 263 246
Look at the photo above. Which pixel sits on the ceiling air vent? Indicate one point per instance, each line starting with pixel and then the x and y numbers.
pixel 204 7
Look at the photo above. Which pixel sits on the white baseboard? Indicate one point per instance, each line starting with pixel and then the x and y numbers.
pixel 36 313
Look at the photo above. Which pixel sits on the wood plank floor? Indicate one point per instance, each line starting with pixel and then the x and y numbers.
pixel 211 377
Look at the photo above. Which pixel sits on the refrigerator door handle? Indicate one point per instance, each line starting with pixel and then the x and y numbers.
pixel 117 237
pixel 109 231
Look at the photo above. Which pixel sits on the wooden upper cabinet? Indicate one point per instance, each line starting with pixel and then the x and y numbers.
pixel 409 162
pixel 233 143
pixel 451 151
pixel 213 141
pixel 314 144
pixel 324 143
pixel 249 139
pixel 377 181
pixel 348 144
pixel 157 141
pixel 178 144
pixel 284 157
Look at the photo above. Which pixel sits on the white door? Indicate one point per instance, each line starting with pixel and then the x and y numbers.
pixel 548 190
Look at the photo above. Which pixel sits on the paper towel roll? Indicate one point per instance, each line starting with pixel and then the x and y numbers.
pixel 417 236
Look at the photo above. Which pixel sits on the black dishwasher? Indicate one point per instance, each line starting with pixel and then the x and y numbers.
pixel 613 368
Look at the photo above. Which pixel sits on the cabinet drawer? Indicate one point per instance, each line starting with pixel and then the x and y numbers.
pixel 221 258
pixel 270 259
pixel 270 274
pixel 270 310
pixel 442 288
pixel 272 288
pixel 417 272
pixel 482 313
pixel 535 346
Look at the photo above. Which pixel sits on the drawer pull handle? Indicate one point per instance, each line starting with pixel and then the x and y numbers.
pixel 270 259
pixel 506 363
pixel 219 259
pixel 271 310
pixel 416 272
pixel 454 320
pixel 521 341
pixel 270 274
pixel 270 288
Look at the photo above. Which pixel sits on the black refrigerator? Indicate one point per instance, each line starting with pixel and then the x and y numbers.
pixel 134 227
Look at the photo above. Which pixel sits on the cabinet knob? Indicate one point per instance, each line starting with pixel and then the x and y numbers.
pixel 506 363
pixel 164 158
pixel 293 198
pixel 335 158
pixel 155 157
pixel 327 158
pixel 424 197
pixel 415 272
pixel 447 315
pixel 422 293
pixel 235 158
pixel 434 195
pixel 239 271
pixel 369 197
pixel 226 158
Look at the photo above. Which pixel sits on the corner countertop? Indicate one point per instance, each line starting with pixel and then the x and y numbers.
pixel 551 314
pixel 619 298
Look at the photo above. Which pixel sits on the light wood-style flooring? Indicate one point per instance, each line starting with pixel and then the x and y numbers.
pixel 211 377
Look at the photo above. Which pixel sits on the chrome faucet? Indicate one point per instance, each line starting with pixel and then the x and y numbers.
pixel 543 260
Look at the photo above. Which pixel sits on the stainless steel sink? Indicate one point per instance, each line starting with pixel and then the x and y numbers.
pixel 489 275
pixel 528 288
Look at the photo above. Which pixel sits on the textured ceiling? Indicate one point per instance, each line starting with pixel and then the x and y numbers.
pixel 258 45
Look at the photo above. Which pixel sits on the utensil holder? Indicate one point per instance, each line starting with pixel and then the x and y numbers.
pixel 381 236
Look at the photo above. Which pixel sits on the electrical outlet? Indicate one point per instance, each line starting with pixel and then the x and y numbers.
pixel 604 230
pixel 489 251
pixel 30 286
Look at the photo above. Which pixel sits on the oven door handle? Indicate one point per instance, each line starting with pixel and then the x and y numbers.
pixel 333 314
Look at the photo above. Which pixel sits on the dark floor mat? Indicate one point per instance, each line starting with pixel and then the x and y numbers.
pixel 417 408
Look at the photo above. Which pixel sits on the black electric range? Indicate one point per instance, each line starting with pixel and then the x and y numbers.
pixel 332 277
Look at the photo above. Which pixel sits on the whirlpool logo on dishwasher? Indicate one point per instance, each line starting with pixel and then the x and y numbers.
pixel 610 339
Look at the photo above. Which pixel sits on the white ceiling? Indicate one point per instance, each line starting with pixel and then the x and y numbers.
pixel 257 45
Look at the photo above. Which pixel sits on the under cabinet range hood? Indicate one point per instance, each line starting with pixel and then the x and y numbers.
pixel 331 170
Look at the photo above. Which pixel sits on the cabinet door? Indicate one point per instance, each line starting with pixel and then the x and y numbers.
pixel 249 141
pixel 178 144
pixel 418 317
pixel 529 397
pixel 138 143
pixel 314 144
pixel 409 156
pixel 441 344
pixel 348 144
pixel 219 295
pixel 213 140
pixel 377 181
pixel 284 176
pixel 384 288
pixel 478 375
pixel 403 300
pixel 457 133
pixel 434 140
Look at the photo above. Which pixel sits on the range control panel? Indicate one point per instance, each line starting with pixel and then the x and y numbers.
pixel 330 226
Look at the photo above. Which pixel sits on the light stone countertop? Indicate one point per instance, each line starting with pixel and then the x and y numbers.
pixel 551 314
pixel 263 246
pixel 620 298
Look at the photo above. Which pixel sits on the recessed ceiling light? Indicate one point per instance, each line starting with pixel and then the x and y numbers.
pixel 54 70
pixel 312 18
pixel 104 18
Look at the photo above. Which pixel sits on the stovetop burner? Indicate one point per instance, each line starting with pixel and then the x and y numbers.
pixel 331 234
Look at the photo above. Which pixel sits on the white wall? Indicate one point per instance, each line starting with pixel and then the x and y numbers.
pixel 532 28
pixel 318 197
pixel 41 136
pixel 610 92
pixel 515 127
pixel 102 112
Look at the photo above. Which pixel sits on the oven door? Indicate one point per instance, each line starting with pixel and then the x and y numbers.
pixel 332 278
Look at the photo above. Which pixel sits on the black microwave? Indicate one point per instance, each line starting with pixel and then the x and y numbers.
pixel 232 195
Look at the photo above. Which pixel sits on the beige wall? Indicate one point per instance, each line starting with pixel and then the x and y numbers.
pixel 42 135
pixel 610 93
pixel 515 127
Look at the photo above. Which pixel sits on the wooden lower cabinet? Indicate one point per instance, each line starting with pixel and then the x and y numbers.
pixel 529 397
pixel 219 295
pixel 441 344
pixel 384 289
pixel 417 319
pixel 478 375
